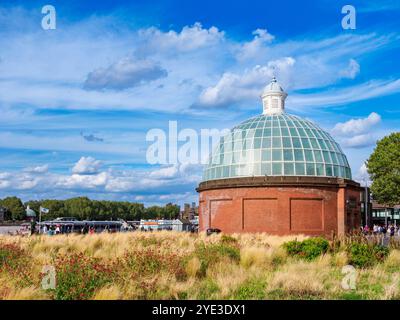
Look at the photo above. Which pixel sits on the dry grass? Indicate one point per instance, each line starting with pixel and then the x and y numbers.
pixel 108 293
pixel 174 268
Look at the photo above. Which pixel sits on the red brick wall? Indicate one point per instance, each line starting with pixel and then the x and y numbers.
pixel 353 209
pixel 275 210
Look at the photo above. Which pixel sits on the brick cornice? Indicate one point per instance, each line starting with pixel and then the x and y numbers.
pixel 276 181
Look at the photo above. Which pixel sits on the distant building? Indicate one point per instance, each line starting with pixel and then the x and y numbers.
pixel 382 214
pixel 172 225
pixel 189 211
pixel 195 221
pixel 181 225
pixel 148 225
pixel 30 213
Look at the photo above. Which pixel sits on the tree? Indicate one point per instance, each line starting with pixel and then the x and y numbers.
pixel 15 207
pixel 171 211
pixel 384 169
pixel 85 208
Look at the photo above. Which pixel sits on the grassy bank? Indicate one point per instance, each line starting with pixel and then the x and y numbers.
pixel 169 265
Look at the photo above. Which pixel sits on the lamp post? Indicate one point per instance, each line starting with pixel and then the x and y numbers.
pixel 40 220
pixel 366 202
pixel 386 217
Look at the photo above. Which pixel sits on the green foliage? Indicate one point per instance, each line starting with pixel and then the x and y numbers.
pixel 83 208
pixel 153 261
pixel 207 289
pixel 10 255
pixel 213 253
pixel 381 253
pixel 307 249
pixel 16 262
pixel 366 255
pixel 384 168
pixel 79 276
pixel 360 255
pixel 253 289
pixel 15 208
pixel 351 295
pixel 227 239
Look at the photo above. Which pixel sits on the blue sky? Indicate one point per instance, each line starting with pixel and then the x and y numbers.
pixel 76 102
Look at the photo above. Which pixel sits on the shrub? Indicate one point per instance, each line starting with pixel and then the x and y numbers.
pixel 226 239
pixel 17 263
pixel 152 261
pixel 380 253
pixel 360 254
pixel 213 253
pixel 307 249
pixel 293 248
pixel 10 255
pixel 79 276
pixel 253 289
pixel 207 290
pixel 365 255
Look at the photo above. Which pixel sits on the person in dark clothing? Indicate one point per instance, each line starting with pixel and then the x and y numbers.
pixel 85 229
pixel 392 230
pixel 33 226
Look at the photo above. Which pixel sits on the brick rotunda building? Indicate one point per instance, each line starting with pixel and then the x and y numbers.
pixel 280 174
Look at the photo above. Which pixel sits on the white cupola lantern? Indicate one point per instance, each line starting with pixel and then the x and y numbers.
pixel 273 98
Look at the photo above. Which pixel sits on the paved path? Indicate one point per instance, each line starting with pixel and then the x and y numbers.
pixel 6 230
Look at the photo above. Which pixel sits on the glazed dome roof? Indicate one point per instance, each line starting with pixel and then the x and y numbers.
pixel 277 144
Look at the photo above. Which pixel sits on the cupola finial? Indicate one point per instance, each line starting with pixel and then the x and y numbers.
pixel 273 98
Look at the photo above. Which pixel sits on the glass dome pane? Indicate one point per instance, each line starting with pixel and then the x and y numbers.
pixel 277 145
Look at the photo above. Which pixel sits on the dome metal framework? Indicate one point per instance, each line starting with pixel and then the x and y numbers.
pixel 277 145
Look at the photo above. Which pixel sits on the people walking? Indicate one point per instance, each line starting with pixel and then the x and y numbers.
pixel 392 230
pixel 384 230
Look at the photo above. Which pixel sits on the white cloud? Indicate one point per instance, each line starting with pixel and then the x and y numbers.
pixel 356 133
pixel 86 165
pixel 233 88
pixel 127 184
pixel 352 70
pixel 188 39
pixel 358 141
pixel 249 50
pixel 80 181
pixel 123 74
pixel 328 98
pixel 203 58
pixel 166 172
pixel 357 126
pixel 362 175
pixel 38 169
